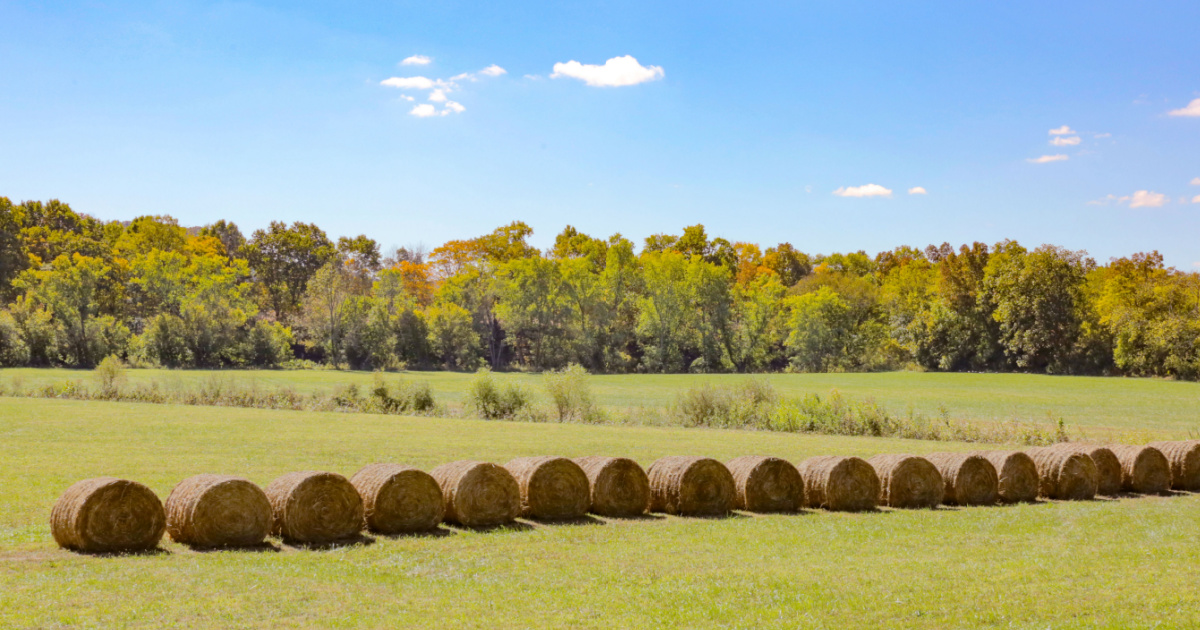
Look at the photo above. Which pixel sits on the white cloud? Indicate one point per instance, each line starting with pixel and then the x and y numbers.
pixel 870 190
pixel 416 60
pixel 1102 135
pixel 1048 158
pixel 616 72
pixel 1196 199
pixel 1060 141
pixel 1103 201
pixel 407 97
pixel 1192 109
pixel 1196 181
pixel 918 190
pixel 454 107
pixel 424 110
pixel 1062 131
pixel 493 71
pixel 1147 199
pixel 410 83
pixel 438 96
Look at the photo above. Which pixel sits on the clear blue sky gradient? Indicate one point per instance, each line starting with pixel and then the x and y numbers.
pixel 274 110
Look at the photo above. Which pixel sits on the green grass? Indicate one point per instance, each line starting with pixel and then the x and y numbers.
pixel 1125 563
pixel 1093 405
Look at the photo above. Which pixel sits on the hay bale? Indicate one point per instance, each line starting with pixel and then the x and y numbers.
pixel 218 511
pixel 839 483
pixel 907 481
pixel 1144 469
pixel 766 484
pixel 969 478
pixel 106 514
pixel 691 486
pixel 1017 474
pixel 1185 463
pixel 399 499
pixel 551 487
pixel 1108 467
pixel 619 487
pixel 478 494
pixel 1065 474
pixel 314 508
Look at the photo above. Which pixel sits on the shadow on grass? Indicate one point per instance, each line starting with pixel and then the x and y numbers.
pixel 514 526
pixel 437 532
pixel 157 551
pixel 359 540
pixel 635 518
pixel 586 519
pixel 263 547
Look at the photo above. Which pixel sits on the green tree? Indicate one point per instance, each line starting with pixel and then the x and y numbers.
pixel 321 315
pixel 451 336
pixel 70 288
pixel 283 260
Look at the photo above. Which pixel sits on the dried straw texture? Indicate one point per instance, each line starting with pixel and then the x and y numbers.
pixel 551 487
pixel 907 481
pixel 839 483
pixel 218 511
pixel 969 478
pixel 1108 467
pixel 1144 469
pixel 478 494
pixel 398 499
pixel 314 508
pixel 1017 474
pixel 106 514
pixel 1185 463
pixel 766 484
pixel 619 486
pixel 1065 474
pixel 692 486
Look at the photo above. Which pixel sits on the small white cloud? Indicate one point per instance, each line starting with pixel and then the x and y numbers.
pixel 616 72
pixel 870 190
pixel 1196 181
pixel 534 77
pixel 1147 199
pixel 416 60
pixel 918 190
pixel 454 107
pixel 493 71
pixel 1196 199
pixel 1103 201
pixel 410 83
pixel 1048 158
pixel 407 98
pixel 1062 131
pixel 438 96
pixel 466 76
pixel 1192 109
pixel 424 110
pixel 1102 135
pixel 1065 141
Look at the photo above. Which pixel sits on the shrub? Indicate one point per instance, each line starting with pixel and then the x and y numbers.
pixel 407 397
pixel 13 351
pixel 110 375
pixel 569 392
pixel 493 402
pixel 165 342
pixel 269 344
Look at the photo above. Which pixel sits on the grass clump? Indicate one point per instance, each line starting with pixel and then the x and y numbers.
pixel 571 396
pixel 494 402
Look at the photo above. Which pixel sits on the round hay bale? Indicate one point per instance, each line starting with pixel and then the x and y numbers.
pixel 619 487
pixel 969 478
pixel 907 481
pixel 1108 467
pixel 106 514
pixel 766 484
pixel 1185 463
pixel 478 494
pixel 839 483
pixel 691 486
pixel 551 487
pixel 399 499
pixel 314 508
pixel 218 511
pixel 1065 474
pixel 1017 474
pixel 1144 469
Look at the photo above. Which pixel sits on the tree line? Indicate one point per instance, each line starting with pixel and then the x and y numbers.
pixel 76 289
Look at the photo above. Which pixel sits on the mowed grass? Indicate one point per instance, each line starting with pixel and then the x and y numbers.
pixel 1091 406
pixel 1107 563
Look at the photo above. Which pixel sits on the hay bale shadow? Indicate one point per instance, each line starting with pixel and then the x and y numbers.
pixel 800 512
pixel 157 551
pixel 437 532
pixel 638 517
pixel 263 547
pixel 711 517
pixel 514 526
pixel 586 519
pixel 353 541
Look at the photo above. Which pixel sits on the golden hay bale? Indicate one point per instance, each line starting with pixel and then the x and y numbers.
pixel 907 481
pixel 1065 474
pixel 1017 474
pixel 839 483
pixel 478 494
pixel 692 486
pixel 314 508
pixel 398 499
pixel 1108 467
pixel 970 479
pixel 551 487
pixel 766 484
pixel 1185 463
pixel 218 511
pixel 106 514
pixel 1144 469
pixel 619 486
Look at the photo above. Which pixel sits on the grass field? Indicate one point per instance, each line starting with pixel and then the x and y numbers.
pixel 1108 563
pixel 1091 405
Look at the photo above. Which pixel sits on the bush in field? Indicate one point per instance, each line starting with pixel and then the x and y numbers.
pixel 269 344
pixel 749 403
pixel 568 389
pixel 165 341
pixel 13 351
pixel 492 401
pixel 110 375
pixel 406 397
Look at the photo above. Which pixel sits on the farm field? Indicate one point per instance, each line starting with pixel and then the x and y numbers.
pixel 1091 405
pixel 1104 563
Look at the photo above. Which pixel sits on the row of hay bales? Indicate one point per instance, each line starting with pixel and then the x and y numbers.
pixel 108 514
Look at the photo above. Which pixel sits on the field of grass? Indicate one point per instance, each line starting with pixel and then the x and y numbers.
pixel 1108 563
pixel 1091 405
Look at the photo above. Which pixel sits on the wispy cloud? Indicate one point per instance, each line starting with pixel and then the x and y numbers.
pixel 1192 109
pixel 870 190
pixel 1196 181
pixel 439 89
pixel 1105 200
pixel 1065 141
pixel 1048 158
pixel 917 190
pixel 424 110
pixel 616 72
pixel 416 60
pixel 411 83
pixel 1196 199
pixel 1102 135
pixel 493 71
pixel 1062 131
pixel 1147 199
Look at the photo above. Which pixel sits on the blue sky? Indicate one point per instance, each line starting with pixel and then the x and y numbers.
pixel 747 117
